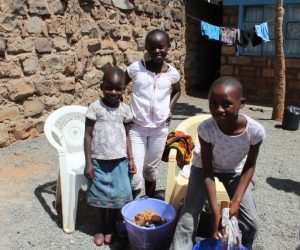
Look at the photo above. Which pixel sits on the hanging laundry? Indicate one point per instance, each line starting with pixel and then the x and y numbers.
pixel 230 36
pixel 262 31
pixel 209 31
pixel 249 35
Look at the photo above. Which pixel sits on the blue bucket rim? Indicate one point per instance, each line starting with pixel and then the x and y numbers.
pixel 148 228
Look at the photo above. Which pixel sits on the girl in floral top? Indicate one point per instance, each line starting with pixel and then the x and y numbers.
pixel 106 149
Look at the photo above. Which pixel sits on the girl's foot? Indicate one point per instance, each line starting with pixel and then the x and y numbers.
pixel 99 239
pixel 108 238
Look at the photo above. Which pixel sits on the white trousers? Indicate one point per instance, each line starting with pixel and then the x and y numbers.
pixel 147 148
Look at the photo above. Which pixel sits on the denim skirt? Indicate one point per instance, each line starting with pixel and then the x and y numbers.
pixel 111 186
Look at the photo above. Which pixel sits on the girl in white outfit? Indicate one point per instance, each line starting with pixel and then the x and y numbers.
pixel 155 91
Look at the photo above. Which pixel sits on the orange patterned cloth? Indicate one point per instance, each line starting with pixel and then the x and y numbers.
pixel 184 145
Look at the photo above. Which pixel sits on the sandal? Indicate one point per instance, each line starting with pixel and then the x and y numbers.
pixel 99 239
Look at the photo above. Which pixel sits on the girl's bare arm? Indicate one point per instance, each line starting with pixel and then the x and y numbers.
pixel 209 183
pixel 88 136
pixel 246 177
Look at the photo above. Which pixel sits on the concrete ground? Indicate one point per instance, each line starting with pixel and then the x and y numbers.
pixel 28 172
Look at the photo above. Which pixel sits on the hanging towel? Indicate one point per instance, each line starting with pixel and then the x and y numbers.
pixel 183 144
pixel 230 36
pixel 262 31
pixel 249 35
pixel 209 31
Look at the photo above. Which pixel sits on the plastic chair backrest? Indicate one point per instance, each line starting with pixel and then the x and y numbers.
pixel 64 128
pixel 189 126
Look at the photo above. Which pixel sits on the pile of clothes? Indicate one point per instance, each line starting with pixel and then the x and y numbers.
pixel 257 34
pixel 148 218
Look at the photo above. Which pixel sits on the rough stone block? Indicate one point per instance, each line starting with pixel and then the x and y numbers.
pixel 61 43
pixel 66 84
pixel 68 99
pixel 138 32
pixel 108 44
pixel 18 45
pixel 122 45
pixel 8 22
pixel 69 61
pixel 94 45
pixel 33 107
pixel 11 113
pixel 57 7
pixel 102 62
pixel 91 95
pixel 118 58
pixel 167 13
pixel 4 135
pixel 92 78
pixel 9 69
pixel 30 65
pixel 43 86
pixel 105 26
pixel 88 27
pixel 56 26
pixel 140 44
pixel 51 64
pixel 34 25
pixel 39 7
pixel 176 14
pixel 106 1
pixel 51 102
pixel 132 56
pixel 20 89
pixel 2 48
pixel 42 45
pixel 21 130
pixel 116 33
pixel 5 6
pixel 18 7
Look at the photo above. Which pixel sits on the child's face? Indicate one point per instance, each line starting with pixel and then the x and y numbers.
pixel 157 46
pixel 113 88
pixel 225 103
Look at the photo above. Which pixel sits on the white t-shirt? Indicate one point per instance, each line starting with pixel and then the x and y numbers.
pixel 109 135
pixel 151 94
pixel 228 152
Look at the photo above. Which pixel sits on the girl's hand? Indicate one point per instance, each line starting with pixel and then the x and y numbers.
pixel 89 172
pixel 234 208
pixel 168 121
pixel 216 223
pixel 132 166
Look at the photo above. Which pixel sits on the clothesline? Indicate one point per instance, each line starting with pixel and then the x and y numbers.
pixel 199 20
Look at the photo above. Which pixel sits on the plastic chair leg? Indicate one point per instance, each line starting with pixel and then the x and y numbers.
pixel 76 181
pixel 58 192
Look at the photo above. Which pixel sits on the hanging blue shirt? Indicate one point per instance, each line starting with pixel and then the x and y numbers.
pixel 209 31
pixel 262 31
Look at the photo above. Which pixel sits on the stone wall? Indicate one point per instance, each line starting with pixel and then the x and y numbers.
pixel 257 73
pixel 53 52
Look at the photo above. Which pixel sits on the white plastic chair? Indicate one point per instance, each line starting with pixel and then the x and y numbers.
pixel 64 129
pixel 176 186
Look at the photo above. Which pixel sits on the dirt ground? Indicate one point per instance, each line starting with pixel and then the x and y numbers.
pixel 28 172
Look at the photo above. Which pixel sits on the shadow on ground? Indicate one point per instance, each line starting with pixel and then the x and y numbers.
pixel 286 185
pixel 185 109
pixel 85 213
